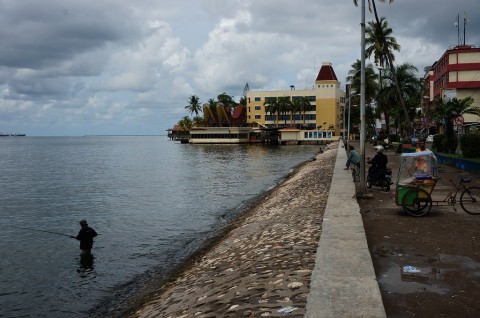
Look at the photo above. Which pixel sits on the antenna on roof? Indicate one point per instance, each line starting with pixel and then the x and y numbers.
pixel 464 25
pixel 457 24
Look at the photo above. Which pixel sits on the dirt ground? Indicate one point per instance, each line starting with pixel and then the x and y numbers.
pixel 443 246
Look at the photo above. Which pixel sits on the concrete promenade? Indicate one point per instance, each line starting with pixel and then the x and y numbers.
pixel 343 282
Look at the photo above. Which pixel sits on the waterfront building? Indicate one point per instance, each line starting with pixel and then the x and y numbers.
pixel 324 115
pixel 456 74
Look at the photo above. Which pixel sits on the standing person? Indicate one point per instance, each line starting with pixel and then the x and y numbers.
pixel 353 157
pixel 85 236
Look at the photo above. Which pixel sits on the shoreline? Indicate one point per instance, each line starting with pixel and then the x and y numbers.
pixel 263 262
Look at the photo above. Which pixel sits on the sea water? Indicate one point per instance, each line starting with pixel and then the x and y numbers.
pixel 151 200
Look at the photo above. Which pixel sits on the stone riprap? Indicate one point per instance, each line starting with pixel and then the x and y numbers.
pixel 261 268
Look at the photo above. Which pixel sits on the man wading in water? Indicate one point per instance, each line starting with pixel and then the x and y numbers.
pixel 85 236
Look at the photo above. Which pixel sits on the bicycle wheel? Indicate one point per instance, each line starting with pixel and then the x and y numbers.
pixel 356 174
pixel 417 202
pixel 369 182
pixel 386 185
pixel 470 200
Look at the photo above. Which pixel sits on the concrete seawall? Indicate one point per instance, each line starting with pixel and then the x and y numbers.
pixel 343 283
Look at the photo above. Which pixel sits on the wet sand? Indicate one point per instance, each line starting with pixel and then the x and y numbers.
pixel 262 267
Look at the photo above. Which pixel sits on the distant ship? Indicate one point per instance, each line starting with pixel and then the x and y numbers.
pixel 12 135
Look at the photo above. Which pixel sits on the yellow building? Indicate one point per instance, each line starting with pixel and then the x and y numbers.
pixel 325 113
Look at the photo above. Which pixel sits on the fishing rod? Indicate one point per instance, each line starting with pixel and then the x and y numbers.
pixel 51 232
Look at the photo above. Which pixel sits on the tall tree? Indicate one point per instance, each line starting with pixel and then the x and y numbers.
pixel 304 106
pixel 378 38
pixel 271 107
pixel 186 123
pixel 371 4
pixel 411 90
pixel 295 107
pixel 371 86
pixel 226 99
pixel 381 45
pixel 194 105
pixel 388 55
pixel 284 106
pixel 449 110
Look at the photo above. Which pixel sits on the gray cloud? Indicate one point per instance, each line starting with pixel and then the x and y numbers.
pixel 117 66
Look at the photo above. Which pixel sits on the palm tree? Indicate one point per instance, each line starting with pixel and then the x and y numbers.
pixel 448 111
pixel 271 107
pixel 411 90
pixel 387 53
pixel 382 44
pixel 304 105
pixel 294 107
pixel 186 123
pixel 198 121
pixel 284 106
pixel 378 38
pixel 371 3
pixel 194 105
pixel 371 86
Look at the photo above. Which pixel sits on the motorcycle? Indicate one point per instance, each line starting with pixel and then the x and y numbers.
pixel 382 179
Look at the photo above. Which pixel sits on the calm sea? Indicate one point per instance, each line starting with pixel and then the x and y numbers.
pixel 151 200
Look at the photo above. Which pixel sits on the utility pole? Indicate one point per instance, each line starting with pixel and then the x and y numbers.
pixel 362 104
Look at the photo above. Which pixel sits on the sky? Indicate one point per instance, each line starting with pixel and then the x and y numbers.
pixel 122 67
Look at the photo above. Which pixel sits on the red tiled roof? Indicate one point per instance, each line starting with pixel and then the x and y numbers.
pixel 326 73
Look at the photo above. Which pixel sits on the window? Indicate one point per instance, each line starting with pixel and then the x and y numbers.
pixel 258 107
pixel 257 99
pixel 258 116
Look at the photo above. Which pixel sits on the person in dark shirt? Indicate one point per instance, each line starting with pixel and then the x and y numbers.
pixel 379 163
pixel 85 236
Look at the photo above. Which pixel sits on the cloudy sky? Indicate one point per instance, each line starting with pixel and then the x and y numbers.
pixel 86 67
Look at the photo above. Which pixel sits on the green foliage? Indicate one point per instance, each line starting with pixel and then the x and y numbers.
pixel 449 144
pixel 186 123
pixel 391 137
pixel 437 142
pixel 470 145
pixel 394 138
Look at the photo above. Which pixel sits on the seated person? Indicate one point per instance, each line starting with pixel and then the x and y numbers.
pixel 379 163
pixel 421 148
pixel 353 158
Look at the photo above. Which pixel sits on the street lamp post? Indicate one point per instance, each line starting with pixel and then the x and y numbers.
pixel 348 133
pixel 362 103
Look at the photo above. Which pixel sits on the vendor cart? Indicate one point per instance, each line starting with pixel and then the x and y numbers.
pixel 416 179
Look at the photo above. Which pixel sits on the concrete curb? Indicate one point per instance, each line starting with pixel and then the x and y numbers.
pixel 343 282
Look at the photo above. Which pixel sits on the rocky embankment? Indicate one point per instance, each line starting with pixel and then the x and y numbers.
pixel 262 267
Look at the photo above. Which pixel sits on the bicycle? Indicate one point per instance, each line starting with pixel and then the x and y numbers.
pixel 417 201
pixel 356 172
